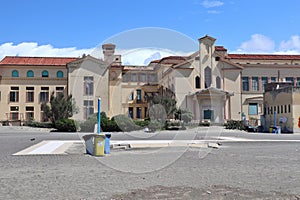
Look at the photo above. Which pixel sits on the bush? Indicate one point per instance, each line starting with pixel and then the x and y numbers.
pixel 204 124
pixel 185 115
pixel 142 124
pixel 235 124
pixel 66 125
pixel 38 124
pixel 125 123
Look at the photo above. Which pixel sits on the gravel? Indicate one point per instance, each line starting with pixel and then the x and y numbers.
pixel 243 170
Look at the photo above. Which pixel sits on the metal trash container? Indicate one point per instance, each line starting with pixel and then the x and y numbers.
pixel 107 143
pixel 94 144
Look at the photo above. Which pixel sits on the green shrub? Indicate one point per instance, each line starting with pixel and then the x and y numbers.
pixel 185 115
pixel 235 124
pixel 204 124
pixel 125 123
pixel 66 125
pixel 155 125
pixel 142 124
pixel 38 124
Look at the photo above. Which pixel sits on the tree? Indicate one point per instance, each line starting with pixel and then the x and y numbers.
pixel 169 104
pixel 61 107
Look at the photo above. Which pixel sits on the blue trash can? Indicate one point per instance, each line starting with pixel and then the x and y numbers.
pixel 107 143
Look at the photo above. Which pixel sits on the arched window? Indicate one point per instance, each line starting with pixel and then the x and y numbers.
pixel 59 74
pixel 45 73
pixel 30 73
pixel 197 82
pixel 207 73
pixel 15 73
pixel 218 82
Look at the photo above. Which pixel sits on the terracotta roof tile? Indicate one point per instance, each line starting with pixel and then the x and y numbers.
pixel 220 48
pixel 173 60
pixel 263 57
pixel 36 61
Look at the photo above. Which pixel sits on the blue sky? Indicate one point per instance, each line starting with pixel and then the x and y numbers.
pixel 62 27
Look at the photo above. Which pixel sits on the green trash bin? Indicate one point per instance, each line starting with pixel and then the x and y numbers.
pixel 94 144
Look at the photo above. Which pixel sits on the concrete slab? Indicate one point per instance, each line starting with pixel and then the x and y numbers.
pixel 47 147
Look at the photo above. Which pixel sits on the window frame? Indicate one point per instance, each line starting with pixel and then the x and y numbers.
pixel 251 107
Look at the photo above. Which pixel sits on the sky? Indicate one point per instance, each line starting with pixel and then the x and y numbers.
pixel 71 28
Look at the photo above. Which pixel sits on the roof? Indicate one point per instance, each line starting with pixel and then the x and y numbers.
pixel 263 57
pixel 174 60
pixel 220 48
pixel 36 61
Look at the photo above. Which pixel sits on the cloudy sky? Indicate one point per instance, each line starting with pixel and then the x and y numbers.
pixel 71 28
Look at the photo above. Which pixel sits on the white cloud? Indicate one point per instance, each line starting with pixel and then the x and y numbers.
pixel 293 44
pixel 33 49
pixel 257 44
pixel 144 55
pixel 130 57
pixel 211 4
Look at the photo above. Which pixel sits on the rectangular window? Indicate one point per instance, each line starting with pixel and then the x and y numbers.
pixel 133 77
pixel 253 109
pixel 289 80
pixel 14 114
pixel 285 109
pixel 264 80
pixel 138 112
pixel 298 81
pixel 29 94
pixel 88 85
pixel 130 98
pixel 281 109
pixel 273 79
pixel 255 85
pixel 138 96
pixel 130 112
pixel 88 108
pixel 245 83
pixel 278 110
pixel 289 108
pixel 271 110
pixel 14 96
pixel 125 77
pixel 59 90
pixel 143 77
pixel 29 112
pixel 44 95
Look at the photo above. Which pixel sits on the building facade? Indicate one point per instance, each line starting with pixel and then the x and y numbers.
pixel 214 85
pixel 282 107
pixel 27 82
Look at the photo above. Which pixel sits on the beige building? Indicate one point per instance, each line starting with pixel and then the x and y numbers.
pixel 282 107
pixel 26 82
pixel 214 85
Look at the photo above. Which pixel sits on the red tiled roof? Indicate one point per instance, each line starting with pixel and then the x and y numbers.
pixel 220 48
pixel 263 57
pixel 36 61
pixel 173 60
